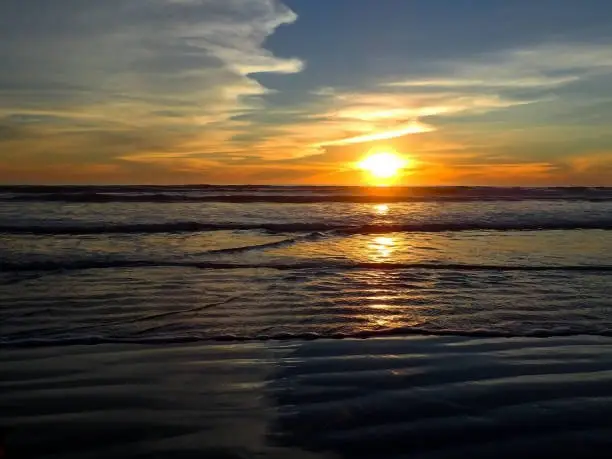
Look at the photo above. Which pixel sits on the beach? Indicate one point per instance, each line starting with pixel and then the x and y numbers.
pixel 404 397
pixel 245 322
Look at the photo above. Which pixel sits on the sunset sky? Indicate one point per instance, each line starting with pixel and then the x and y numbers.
pixel 470 92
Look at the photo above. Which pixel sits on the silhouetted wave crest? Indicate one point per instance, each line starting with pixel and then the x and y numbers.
pixel 335 265
pixel 296 194
pixel 193 226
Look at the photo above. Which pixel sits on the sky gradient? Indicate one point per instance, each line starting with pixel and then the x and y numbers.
pixel 474 92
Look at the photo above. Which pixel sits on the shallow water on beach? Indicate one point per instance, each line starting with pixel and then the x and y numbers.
pixel 207 322
pixel 174 265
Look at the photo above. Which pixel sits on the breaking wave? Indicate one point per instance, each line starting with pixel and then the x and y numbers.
pixel 26 266
pixel 192 226
pixel 296 194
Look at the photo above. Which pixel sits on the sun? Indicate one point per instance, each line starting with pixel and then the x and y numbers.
pixel 383 165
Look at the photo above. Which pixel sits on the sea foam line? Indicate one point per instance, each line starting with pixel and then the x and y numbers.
pixel 304 336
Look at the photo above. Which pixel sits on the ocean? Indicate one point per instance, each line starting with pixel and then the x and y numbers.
pixel 351 321
pixel 167 264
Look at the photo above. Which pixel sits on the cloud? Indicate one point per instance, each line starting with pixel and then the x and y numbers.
pixel 412 128
pixel 468 81
pixel 378 115
pixel 455 89
pixel 168 68
pixel 541 66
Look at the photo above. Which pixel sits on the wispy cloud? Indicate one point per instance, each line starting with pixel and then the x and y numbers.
pixel 182 68
pixel 543 66
pixel 412 128
pixel 379 115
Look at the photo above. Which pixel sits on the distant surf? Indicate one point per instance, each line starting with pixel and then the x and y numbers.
pixel 297 194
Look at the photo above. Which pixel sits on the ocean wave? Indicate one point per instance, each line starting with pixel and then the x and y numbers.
pixel 297 194
pixel 290 199
pixel 248 248
pixel 29 266
pixel 268 245
pixel 192 226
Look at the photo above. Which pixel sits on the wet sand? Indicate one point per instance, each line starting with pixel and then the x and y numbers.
pixel 429 397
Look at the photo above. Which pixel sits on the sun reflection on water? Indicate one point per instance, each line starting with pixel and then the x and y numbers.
pixel 382 248
pixel 385 301
pixel 381 209
pixel 379 321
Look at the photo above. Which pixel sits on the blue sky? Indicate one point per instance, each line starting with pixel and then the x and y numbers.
pixel 486 92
